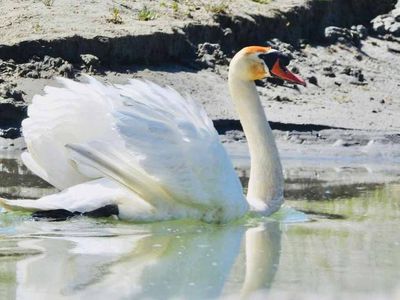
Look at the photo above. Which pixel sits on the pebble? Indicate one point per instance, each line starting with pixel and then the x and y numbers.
pixel 328 72
pixel 90 60
pixel 210 55
pixel 33 74
pixel 37 68
pixel 9 91
pixel 357 73
pixel 66 70
pixel 283 47
pixel 295 70
pixel 313 80
pixel 361 30
pixel 387 23
pixel 335 34
pixel 282 99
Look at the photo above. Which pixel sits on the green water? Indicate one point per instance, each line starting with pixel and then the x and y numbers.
pixel 341 242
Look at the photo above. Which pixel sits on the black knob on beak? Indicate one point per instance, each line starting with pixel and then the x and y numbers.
pixel 271 57
pixel 285 59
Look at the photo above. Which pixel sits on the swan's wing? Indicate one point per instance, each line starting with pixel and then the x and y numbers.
pixel 149 138
pixel 73 114
pixel 170 142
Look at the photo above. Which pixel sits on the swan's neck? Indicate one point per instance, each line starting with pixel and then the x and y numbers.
pixel 265 190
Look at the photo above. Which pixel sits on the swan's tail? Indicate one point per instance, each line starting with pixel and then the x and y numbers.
pixel 28 205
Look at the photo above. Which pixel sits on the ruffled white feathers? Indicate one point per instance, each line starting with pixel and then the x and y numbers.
pixel 160 149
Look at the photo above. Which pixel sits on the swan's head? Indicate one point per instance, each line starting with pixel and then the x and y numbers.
pixel 256 62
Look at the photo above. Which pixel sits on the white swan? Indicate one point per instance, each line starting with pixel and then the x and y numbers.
pixel 145 153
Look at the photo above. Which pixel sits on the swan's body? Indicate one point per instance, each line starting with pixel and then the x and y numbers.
pixel 148 151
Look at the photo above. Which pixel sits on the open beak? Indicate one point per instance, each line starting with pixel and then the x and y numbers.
pixel 283 73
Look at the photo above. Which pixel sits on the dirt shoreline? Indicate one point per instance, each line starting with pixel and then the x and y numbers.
pixel 67 29
pixel 352 95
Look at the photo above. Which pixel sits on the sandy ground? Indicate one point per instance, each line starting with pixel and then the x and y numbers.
pixel 23 20
pixel 341 101
pixel 349 86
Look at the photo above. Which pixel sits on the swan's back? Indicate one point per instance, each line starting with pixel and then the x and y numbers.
pixel 149 139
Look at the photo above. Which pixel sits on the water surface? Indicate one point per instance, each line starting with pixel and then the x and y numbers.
pixel 337 237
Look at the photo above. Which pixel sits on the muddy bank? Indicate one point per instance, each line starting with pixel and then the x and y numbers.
pixel 352 69
pixel 168 39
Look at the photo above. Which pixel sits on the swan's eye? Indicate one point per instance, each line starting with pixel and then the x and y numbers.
pixel 269 58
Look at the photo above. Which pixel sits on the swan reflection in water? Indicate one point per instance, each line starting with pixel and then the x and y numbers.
pixel 158 261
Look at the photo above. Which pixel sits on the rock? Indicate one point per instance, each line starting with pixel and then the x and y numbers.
pixel 361 30
pixel 28 70
pixel 90 60
pixel 11 116
pixel 236 135
pixel 66 70
pixel 52 63
pixel 7 66
pixel 347 71
pixel 17 95
pixel 56 62
pixel 388 23
pixel 21 72
pixel 281 46
pixel 8 91
pixel 378 27
pixel 33 74
pixel 295 70
pixel 210 55
pixel 30 66
pixel 37 68
pixel 335 34
pixel 281 99
pixel 360 76
pixel 328 72
pixel 353 82
pixel 358 57
pixel 46 60
pixel 227 31
pixel 313 80
pixel 332 33
pixel 10 132
pixel 396 14
pixel 394 29
pixel 357 73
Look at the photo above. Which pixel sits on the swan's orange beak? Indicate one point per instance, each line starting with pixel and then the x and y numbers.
pixel 283 73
